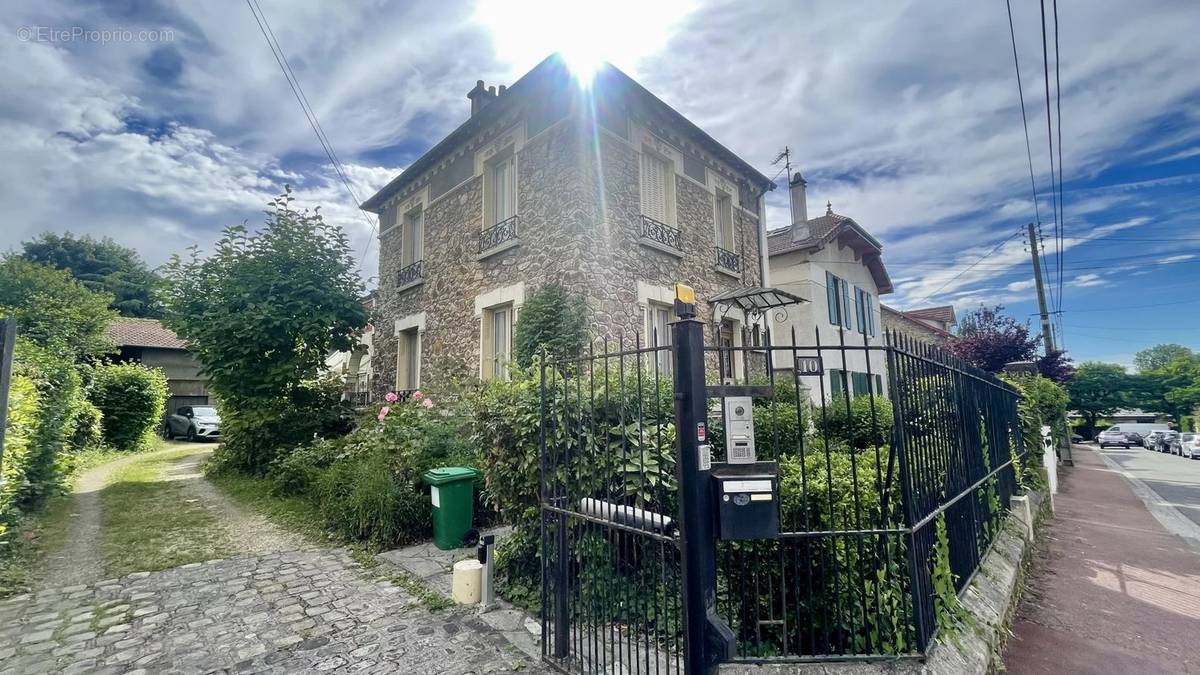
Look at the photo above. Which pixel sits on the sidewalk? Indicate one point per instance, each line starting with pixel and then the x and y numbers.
pixel 1111 590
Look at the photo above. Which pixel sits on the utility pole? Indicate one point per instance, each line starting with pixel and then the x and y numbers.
pixel 1047 333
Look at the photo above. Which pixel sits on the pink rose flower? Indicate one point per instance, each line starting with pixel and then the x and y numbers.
pixel 390 397
pixel 428 403
pixel 383 412
pixel 417 395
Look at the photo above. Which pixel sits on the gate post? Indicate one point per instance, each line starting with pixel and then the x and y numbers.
pixel 706 639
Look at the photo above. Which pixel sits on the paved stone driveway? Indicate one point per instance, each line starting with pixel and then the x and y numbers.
pixel 305 611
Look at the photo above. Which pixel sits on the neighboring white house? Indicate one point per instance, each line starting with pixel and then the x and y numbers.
pixel 354 367
pixel 836 264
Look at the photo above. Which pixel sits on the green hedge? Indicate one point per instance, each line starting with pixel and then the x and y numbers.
pixel 57 387
pixel 20 442
pixel 131 400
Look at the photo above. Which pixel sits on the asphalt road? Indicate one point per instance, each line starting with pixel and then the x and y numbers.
pixel 1174 480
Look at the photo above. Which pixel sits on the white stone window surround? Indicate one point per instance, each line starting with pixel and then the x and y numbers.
pixel 414 201
pixel 514 296
pixel 402 325
pixel 641 137
pixel 513 137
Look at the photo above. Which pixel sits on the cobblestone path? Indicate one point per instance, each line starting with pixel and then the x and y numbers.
pixel 299 611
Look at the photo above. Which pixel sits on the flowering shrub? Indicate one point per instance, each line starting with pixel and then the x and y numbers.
pixel 368 484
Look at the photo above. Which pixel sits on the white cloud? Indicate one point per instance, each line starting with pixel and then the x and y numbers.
pixel 1088 280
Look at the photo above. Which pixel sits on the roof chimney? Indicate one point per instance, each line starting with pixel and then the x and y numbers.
pixel 797 187
pixel 480 96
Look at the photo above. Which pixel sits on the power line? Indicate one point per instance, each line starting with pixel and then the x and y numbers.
pixel 1148 306
pixel 972 266
pixel 268 34
pixel 1049 129
pixel 1024 120
pixel 1061 205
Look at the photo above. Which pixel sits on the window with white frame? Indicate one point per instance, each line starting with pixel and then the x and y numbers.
pixel 497 341
pixel 408 359
pixel 837 296
pixel 658 333
pixel 658 188
pixel 724 221
pixel 500 187
pixel 412 246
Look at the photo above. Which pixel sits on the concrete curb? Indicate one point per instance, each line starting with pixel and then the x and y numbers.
pixel 991 600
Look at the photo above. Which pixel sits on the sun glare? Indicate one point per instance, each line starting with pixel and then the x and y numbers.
pixel 586 34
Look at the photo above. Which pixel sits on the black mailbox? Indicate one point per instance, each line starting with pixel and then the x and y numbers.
pixel 747 499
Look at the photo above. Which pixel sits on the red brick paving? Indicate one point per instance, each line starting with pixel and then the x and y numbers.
pixel 1112 591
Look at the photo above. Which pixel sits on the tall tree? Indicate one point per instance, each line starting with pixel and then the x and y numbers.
pixel 101 265
pixel 1098 389
pixel 989 339
pixel 1159 356
pixel 54 310
pixel 261 313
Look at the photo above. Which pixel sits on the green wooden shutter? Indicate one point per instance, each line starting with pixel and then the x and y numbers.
pixel 831 298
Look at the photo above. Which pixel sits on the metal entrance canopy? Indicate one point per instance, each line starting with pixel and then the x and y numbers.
pixel 754 301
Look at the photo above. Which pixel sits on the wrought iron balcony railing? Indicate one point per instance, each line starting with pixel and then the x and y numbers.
pixel 728 259
pixel 500 233
pixel 662 233
pixel 412 273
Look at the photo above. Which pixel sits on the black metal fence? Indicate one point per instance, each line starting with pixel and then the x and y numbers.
pixel 890 444
pixel 896 465
pixel 8 338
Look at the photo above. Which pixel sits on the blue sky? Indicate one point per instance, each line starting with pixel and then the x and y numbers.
pixel 904 114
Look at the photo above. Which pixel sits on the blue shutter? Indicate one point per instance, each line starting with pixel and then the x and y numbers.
pixel 831 297
pixel 871 314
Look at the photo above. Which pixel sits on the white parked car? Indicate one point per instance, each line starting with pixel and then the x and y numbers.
pixel 193 423
pixel 1191 445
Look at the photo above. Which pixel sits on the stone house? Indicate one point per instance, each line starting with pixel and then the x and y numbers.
pixel 837 265
pixel 929 324
pixel 148 342
pixel 598 186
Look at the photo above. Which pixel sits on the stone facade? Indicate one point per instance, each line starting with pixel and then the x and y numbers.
pixel 579 209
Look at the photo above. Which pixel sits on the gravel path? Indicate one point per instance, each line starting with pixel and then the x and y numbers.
pixel 248 533
pixel 79 560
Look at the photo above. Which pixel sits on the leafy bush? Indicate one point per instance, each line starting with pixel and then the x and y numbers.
pixel 88 430
pixel 552 319
pixel 130 397
pixel 373 498
pixel 20 438
pixel 865 423
pixel 261 314
pixel 256 437
pixel 368 484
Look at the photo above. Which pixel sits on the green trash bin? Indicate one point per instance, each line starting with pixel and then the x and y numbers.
pixel 451 491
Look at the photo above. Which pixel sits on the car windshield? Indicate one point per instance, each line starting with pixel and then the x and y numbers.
pixel 205 412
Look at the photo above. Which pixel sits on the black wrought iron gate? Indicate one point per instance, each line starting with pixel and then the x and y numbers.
pixel 891 454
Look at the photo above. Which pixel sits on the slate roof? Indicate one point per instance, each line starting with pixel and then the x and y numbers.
pixel 127 332
pixel 548 69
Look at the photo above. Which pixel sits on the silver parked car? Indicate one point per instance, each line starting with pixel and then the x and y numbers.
pixel 1114 437
pixel 193 423
pixel 1190 443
